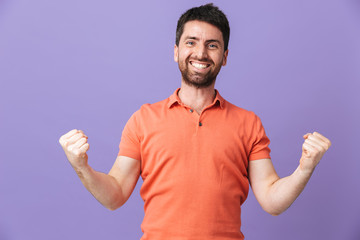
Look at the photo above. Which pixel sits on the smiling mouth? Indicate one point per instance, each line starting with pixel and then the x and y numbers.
pixel 199 65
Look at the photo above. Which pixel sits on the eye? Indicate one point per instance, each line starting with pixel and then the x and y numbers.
pixel 213 46
pixel 190 43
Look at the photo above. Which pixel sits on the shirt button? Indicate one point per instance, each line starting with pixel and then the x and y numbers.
pixel 200 124
pixel 191 110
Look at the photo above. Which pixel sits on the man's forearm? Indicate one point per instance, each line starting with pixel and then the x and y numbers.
pixel 283 192
pixel 102 186
pixel 276 194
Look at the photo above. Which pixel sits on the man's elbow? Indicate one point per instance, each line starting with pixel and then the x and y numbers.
pixel 113 206
pixel 115 203
pixel 273 211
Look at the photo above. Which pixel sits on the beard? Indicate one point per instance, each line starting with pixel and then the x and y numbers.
pixel 197 79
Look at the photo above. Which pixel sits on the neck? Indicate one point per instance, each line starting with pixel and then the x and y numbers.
pixel 196 98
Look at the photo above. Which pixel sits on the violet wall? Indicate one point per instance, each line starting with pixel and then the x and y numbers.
pixel 91 64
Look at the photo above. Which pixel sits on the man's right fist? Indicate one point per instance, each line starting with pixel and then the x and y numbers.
pixel 75 146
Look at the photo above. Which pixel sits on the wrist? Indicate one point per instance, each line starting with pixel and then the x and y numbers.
pixel 305 172
pixel 82 170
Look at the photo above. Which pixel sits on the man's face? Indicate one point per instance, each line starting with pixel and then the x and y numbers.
pixel 200 53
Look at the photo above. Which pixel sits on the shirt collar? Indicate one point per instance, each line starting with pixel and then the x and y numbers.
pixel 174 98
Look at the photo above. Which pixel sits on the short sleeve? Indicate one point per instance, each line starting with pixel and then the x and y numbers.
pixel 130 139
pixel 260 147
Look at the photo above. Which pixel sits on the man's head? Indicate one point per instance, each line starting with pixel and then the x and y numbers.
pixel 200 48
pixel 206 13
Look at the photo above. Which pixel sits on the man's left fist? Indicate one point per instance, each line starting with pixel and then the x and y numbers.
pixel 314 147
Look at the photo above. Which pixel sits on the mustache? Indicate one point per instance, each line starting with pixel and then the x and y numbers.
pixel 200 60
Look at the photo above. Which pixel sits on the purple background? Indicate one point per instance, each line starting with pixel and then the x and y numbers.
pixel 91 64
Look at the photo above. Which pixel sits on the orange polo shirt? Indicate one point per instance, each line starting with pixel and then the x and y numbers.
pixel 194 167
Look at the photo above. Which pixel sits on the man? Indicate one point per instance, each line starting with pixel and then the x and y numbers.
pixel 195 151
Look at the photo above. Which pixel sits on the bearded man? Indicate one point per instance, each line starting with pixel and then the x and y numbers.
pixel 195 151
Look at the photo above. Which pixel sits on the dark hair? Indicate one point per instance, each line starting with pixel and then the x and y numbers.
pixel 207 13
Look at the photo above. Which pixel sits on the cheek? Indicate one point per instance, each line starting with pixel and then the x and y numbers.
pixel 184 53
pixel 182 57
pixel 217 59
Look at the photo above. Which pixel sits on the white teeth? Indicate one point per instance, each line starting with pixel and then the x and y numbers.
pixel 199 66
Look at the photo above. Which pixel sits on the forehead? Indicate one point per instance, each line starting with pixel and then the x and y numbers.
pixel 201 30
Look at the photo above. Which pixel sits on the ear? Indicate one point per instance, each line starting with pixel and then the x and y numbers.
pixel 176 53
pixel 225 57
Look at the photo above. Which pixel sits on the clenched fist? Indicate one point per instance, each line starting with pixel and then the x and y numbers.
pixel 75 146
pixel 314 147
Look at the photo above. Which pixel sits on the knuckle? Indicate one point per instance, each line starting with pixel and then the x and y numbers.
pixel 70 148
pixel 86 146
pixel 62 139
pixel 77 152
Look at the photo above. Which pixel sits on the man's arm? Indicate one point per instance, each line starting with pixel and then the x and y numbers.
pixel 276 194
pixel 111 190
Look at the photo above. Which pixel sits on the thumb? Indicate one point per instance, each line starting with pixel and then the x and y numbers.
pixel 306 135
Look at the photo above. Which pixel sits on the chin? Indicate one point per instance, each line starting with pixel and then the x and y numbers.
pixel 198 83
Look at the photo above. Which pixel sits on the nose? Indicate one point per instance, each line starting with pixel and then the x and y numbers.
pixel 201 52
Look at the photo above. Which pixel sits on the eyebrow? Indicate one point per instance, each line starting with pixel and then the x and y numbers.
pixel 207 41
